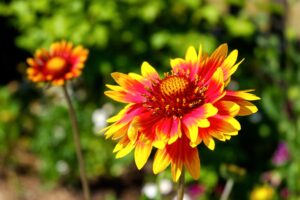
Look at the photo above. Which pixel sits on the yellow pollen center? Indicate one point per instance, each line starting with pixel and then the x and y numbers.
pixel 173 85
pixel 56 64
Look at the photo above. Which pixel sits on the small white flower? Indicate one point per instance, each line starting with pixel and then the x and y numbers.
pixel 100 116
pixel 59 132
pixel 185 197
pixel 109 108
pixel 165 186
pixel 62 167
pixel 150 190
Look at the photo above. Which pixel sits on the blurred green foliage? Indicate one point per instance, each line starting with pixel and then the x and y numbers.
pixel 120 34
pixel 9 127
pixel 54 143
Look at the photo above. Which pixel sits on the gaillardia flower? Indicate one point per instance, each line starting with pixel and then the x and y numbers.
pixel 62 62
pixel 176 112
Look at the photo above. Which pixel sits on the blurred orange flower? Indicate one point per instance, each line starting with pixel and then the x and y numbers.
pixel 62 62
pixel 178 111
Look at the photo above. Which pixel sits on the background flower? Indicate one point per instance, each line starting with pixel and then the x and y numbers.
pixel 281 154
pixel 264 192
pixel 62 62
pixel 99 116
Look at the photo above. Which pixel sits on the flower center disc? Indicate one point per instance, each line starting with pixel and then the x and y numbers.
pixel 56 64
pixel 173 85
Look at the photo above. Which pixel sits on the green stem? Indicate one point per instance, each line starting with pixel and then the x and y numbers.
pixel 180 191
pixel 75 131
pixel 158 194
pixel 227 190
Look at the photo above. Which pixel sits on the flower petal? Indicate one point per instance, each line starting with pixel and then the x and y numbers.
pixel 242 94
pixel 128 83
pixel 241 98
pixel 161 160
pixel 197 118
pixel 209 142
pixel 117 96
pixel 163 129
pixel 203 112
pixel 200 53
pixel 142 151
pixel 234 68
pixel 125 96
pixel 120 133
pixel 192 132
pixel 191 55
pixel 115 87
pixel 132 130
pixel 227 108
pixel 220 52
pixel 215 88
pixel 136 77
pixel 225 124
pixel 192 163
pixel 176 62
pixel 228 63
pixel 114 128
pixel 247 108
pixel 179 154
pixel 176 169
pixel 120 115
pixel 123 148
pixel 149 72
pixel 203 123
pixel 175 130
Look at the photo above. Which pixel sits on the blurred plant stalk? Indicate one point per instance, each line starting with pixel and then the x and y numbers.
pixel 75 131
pixel 227 190
pixel 180 190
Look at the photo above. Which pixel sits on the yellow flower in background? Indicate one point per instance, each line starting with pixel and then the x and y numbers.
pixel 176 112
pixel 61 63
pixel 264 192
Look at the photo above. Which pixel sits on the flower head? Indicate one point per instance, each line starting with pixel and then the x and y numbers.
pixel 281 155
pixel 264 192
pixel 62 62
pixel 176 112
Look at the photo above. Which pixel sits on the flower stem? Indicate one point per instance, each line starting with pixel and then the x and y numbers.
pixel 180 190
pixel 75 130
pixel 227 189
pixel 158 194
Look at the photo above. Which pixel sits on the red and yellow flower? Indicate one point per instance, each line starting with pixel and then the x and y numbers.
pixel 178 111
pixel 61 63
